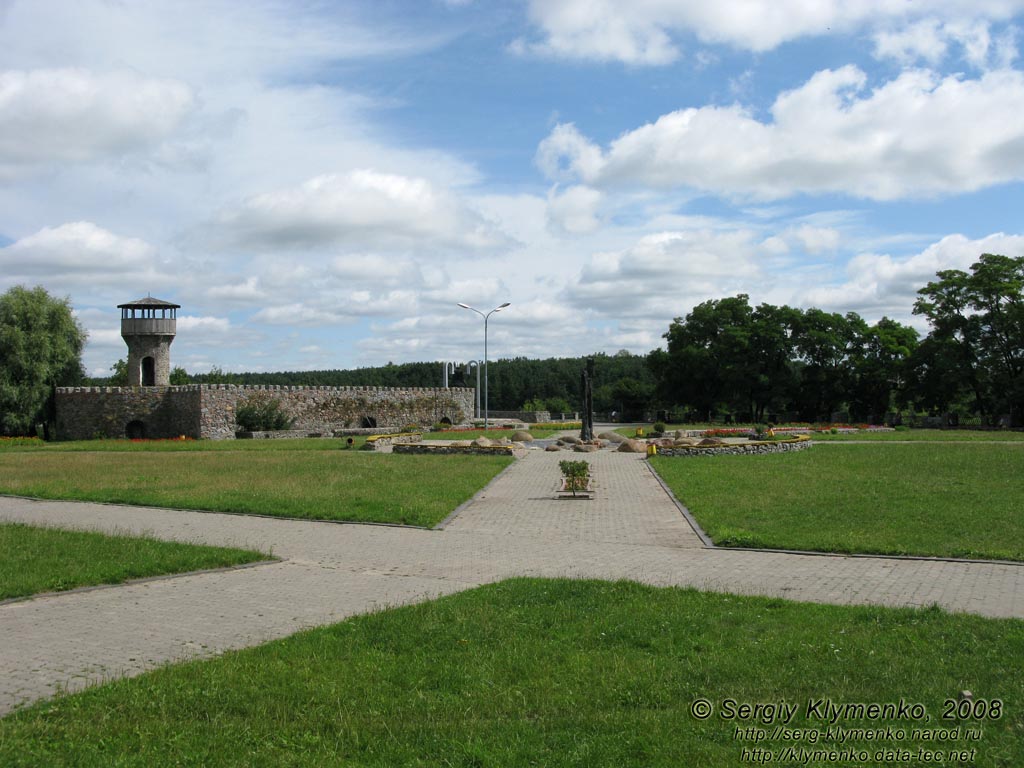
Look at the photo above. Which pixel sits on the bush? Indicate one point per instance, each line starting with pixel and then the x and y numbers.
pixel 410 428
pixel 575 474
pixel 262 416
pixel 659 428
pixel 557 405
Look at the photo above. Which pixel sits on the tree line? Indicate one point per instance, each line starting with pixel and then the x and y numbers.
pixel 760 362
pixel 724 358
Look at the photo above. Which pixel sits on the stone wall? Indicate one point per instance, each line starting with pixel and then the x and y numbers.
pixel 84 413
pixel 208 410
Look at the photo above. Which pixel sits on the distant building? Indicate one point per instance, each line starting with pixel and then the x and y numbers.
pixel 148 327
pixel 150 408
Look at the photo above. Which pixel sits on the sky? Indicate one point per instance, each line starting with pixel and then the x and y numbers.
pixel 320 184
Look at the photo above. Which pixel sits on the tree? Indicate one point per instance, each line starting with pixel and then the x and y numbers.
pixel 825 343
pixel 179 376
pixel 977 336
pixel 725 353
pixel 880 369
pixel 118 374
pixel 40 348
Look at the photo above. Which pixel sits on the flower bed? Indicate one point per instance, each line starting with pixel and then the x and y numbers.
pixel 12 442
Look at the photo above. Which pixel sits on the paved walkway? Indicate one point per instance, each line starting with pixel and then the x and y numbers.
pixel 630 530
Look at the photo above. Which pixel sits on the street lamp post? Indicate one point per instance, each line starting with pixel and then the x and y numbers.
pixel 485 317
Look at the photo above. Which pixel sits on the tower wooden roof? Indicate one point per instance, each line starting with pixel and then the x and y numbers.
pixel 149 303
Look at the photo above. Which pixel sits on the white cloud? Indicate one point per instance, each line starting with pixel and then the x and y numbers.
pixel 597 30
pixel 888 285
pixel 52 117
pixel 931 39
pixel 83 257
pixel 247 291
pixel 918 135
pixel 925 40
pixel 815 240
pixel 204 325
pixel 665 270
pixel 361 207
pixel 645 32
pixel 574 210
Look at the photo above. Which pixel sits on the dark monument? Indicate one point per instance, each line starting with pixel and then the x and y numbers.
pixel 587 380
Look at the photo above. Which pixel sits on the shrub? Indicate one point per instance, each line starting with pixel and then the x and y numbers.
pixel 411 428
pixel 262 416
pixel 575 474
pixel 659 428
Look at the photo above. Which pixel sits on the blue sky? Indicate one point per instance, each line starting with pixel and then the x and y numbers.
pixel 319 184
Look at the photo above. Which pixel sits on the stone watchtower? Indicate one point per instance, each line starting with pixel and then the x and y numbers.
pixel 148 328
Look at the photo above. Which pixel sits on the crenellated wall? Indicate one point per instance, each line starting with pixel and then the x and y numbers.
pixel 208 410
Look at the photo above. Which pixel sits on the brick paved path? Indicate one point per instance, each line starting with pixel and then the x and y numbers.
pixel 630 530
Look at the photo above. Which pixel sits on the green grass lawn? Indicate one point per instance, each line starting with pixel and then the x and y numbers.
pixel 547 673
pixel 21 445
pixel 928 499
pixel 926 435
pixel 311 484
pixel 899 435
pixel 34 559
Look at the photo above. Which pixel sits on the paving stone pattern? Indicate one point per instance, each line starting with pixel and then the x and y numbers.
pixel 631 529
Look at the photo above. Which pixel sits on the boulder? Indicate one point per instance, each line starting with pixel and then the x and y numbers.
pixel 631 446
pixel 571 440
pixel 522 436
pixel 482 442
pixel 460 443
pixel 553 448
pixel 711 441
pixel 586 448
pixel 684 441
pixel 612 437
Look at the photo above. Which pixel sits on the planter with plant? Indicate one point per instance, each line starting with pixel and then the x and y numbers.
pixel 575 479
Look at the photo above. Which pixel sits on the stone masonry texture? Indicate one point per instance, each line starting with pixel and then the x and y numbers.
pixel 208 410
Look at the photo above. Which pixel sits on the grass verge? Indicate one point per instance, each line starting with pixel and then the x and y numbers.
pixel 20 445
pixel 900 435
pixel 925 436
pixel 34 559
pixel 939 500
pixel 553 673
pixel 320 485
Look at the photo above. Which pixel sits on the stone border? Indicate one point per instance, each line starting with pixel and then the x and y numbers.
pixel 379 442
pixel 738 449
pixel 447 450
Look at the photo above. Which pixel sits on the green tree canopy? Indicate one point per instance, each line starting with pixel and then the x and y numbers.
pixel 976 344
pixel 40 348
